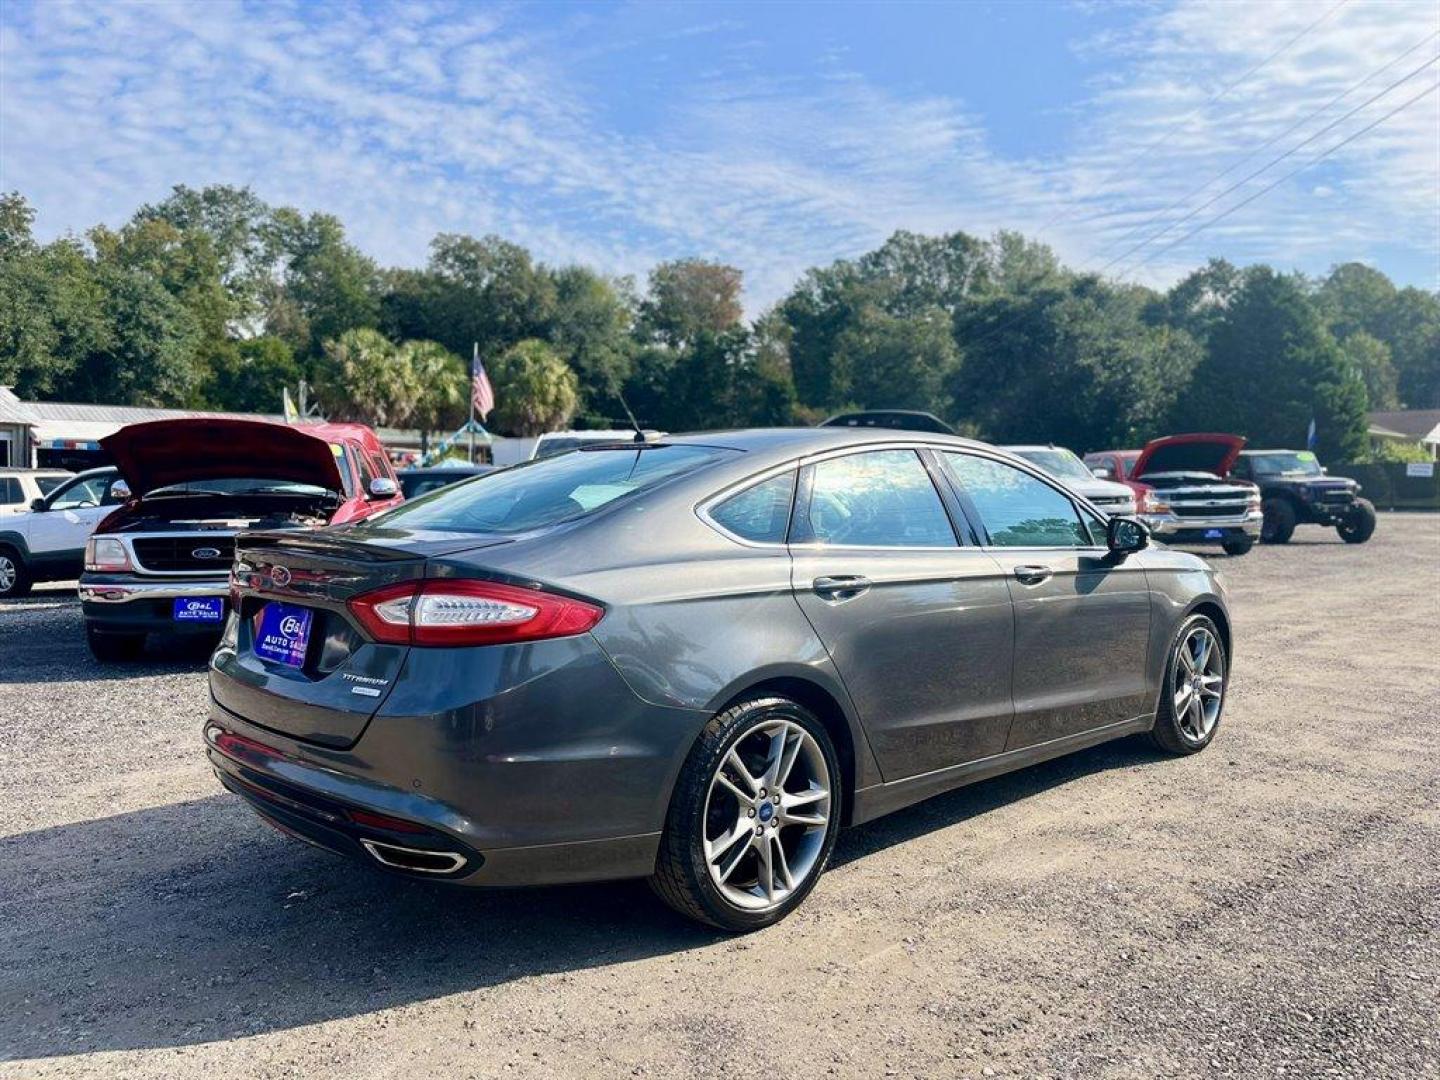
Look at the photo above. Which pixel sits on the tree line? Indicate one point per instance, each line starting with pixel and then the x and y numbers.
pixel 213 299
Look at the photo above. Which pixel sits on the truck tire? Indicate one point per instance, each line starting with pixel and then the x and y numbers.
pixel 1358 525
pixel 1235 548
pixel 113 648
pixel 15 579
pixel 1279 523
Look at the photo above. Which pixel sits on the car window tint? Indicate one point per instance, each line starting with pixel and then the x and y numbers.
pixel 881 498
pixel 760 513
pixel 551 490
pixel 1017 509
pixel 10 493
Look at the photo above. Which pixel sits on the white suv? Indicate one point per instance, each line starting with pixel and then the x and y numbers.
pixel 47 542
pixel 21 487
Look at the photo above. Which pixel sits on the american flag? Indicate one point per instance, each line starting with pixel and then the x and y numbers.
pixel 482 394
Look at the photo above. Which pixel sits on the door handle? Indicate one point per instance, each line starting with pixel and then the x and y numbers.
pixel 1033 575
pixel 840 586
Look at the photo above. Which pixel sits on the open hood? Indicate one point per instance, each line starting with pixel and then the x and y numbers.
pixel 165 452
pixel 1206 453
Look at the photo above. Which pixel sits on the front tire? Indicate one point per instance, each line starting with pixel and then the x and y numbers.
pixel 1192 695
pixel 1359 524
pixel 111 648
pixel 1279 523
pixel 753 819
pixel 15 580
pixel 1237 547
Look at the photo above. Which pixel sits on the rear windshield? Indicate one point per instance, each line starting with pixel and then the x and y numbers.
pixel 550 490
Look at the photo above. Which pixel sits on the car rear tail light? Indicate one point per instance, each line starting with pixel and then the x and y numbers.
pixel 106 555
pixel 447 612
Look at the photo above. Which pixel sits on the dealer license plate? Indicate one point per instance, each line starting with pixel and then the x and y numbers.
pixel 284 633
pixel 198 609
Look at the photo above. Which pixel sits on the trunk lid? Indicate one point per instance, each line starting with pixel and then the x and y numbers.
pixel 1203 453
pixel 162 453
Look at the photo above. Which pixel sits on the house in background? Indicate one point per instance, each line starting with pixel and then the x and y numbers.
pixel 1417 426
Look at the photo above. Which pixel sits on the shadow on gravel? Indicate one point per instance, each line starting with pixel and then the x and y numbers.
pixel 193 922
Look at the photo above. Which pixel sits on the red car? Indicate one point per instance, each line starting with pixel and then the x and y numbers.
pixel 161 561
pixel 1183 490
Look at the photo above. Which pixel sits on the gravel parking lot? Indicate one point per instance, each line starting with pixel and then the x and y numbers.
pixel 1269 908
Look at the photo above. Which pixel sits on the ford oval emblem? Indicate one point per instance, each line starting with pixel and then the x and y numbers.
pixel 205 553
pixel 280 576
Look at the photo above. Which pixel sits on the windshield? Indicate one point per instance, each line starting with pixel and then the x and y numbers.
pixel 550 490
pixel 1285 463
pixel 1061 464
pixel 245 485
pixel 47 484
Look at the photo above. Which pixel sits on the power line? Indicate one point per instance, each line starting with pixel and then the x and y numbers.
pixel 1268 165
pixel 1233 84
pixel 1294 172
pixel 1267 144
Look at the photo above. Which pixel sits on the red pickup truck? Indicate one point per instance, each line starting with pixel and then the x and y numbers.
pixel 161 561
pixel 1183 490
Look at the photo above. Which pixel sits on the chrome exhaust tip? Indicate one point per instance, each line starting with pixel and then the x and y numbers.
pixel 415 860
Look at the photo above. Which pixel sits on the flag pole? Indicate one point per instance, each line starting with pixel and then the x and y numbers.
pixel 474 365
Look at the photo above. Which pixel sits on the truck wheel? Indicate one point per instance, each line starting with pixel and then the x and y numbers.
pixel 14 578
pixel 1359 524
pixel 1279 523
pixel 114 648
pixel 1237 547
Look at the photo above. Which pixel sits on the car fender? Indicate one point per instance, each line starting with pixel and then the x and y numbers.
pixel 12 538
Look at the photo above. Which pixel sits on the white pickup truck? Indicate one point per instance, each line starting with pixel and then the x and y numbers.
pixel 47 542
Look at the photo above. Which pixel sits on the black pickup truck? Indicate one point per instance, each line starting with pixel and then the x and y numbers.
pixel 1294 490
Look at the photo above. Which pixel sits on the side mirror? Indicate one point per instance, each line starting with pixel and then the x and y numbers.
pixel 120 491
pixel 1100 472
pixel 382 487
pixel 37 505
pixel 1125 535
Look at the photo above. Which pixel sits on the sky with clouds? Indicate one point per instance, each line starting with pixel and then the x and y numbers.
pixel 771 136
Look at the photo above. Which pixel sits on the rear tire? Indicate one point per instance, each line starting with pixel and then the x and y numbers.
pixel 753 818
pixel 1279 523
pixel 15 579
pixel 1359 524
pixel 111 648
pixel 1237 547
pixel 1192 694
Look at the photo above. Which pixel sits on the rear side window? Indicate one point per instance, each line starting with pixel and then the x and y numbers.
pixel 880 498
pixel 10 493
pixel 760 513
pixel 1016 509
pixel 551 490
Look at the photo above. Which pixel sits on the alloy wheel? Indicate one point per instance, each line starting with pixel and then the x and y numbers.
pixel 1199 684
pixel 767 814
pixel 8 574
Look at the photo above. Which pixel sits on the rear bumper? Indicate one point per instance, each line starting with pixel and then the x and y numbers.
pixel 536 763
pixel 320 806
pixel 125 604
pixel 1192 530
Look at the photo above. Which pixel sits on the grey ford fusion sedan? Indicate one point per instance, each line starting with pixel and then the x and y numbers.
pixel 695 659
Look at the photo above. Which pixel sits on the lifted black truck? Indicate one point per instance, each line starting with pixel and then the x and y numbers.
pixel 1294 490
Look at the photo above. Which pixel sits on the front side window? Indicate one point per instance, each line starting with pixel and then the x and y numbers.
pixel 80 494
pixel 551 490
pixel 880 498
pixel 760 513
pixel 1016 509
